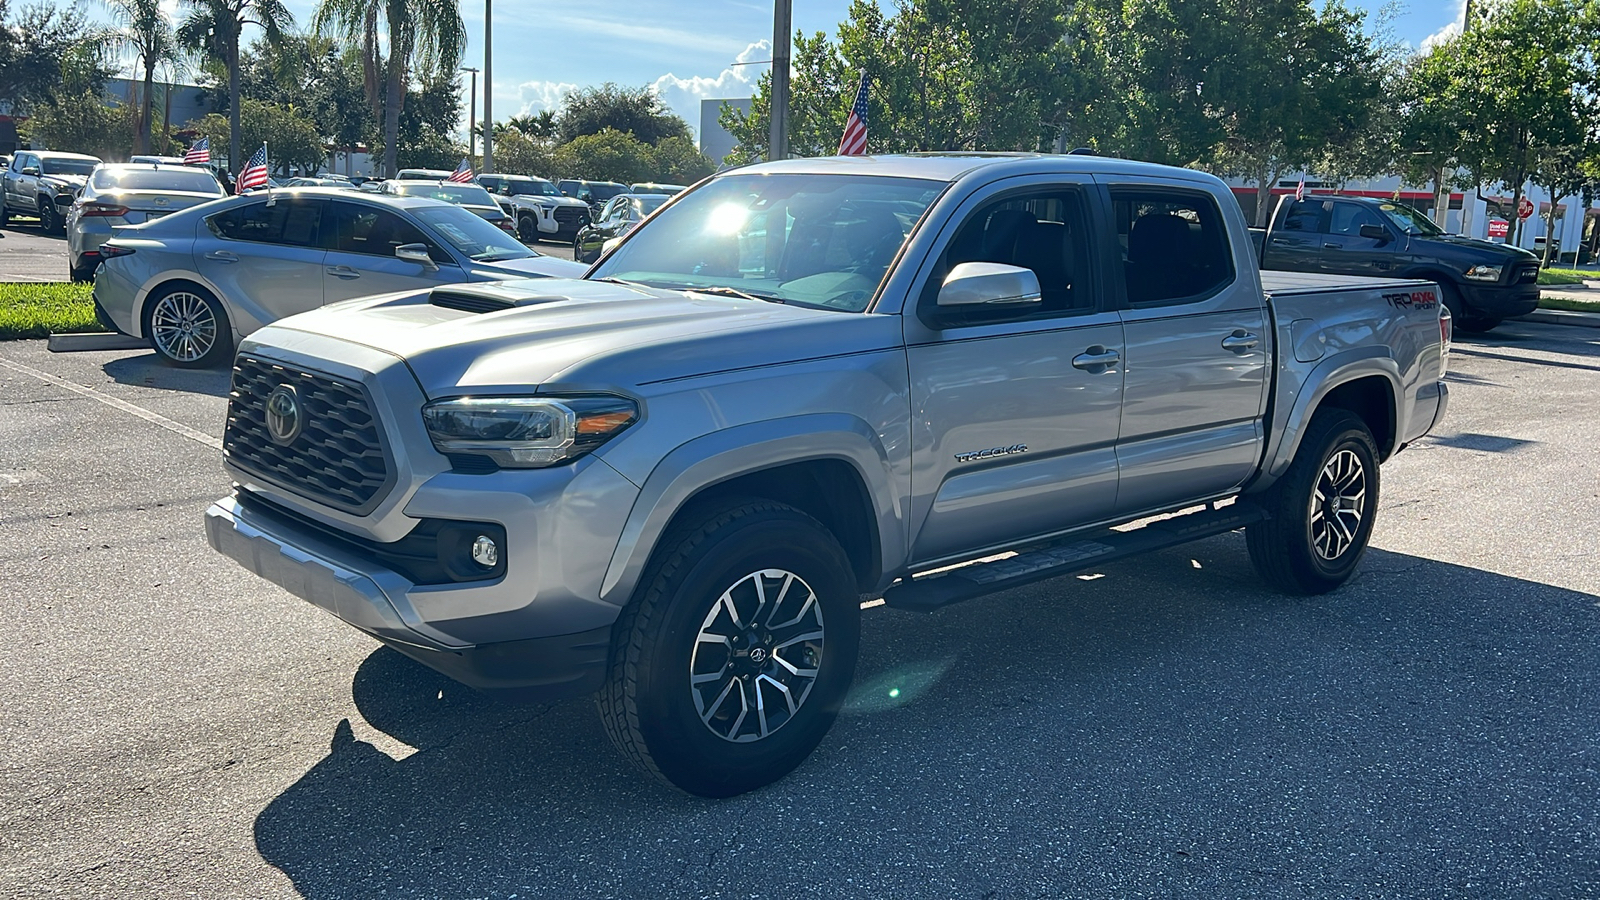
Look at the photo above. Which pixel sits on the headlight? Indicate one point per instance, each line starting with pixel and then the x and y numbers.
pixel 527 432
pixel 1484 273
pixel 64 189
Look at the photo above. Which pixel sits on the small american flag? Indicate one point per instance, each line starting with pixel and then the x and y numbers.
pixel 854 141
pixel 1300 189
pixel 463 173
pixel 199 153
pixel 255 171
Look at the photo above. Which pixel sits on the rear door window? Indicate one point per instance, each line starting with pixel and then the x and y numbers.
pixel 295 221
pixel 1174 245
pixel 1303 216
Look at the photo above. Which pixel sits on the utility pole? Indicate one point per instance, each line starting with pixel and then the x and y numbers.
pixel 488 85
pixel 472 113
pixel 778 141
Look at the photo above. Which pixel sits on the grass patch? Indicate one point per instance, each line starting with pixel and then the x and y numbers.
pixel 1564 276
pixel 40 310
pixel 1573 305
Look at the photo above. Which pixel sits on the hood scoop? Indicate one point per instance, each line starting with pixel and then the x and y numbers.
pixel 486 299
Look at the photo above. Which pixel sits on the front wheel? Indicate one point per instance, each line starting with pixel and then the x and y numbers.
pixel 1475 324
pixel 732 663
pixel 1320 512
pixel 527 230
pixel 188 327
pixel 49 219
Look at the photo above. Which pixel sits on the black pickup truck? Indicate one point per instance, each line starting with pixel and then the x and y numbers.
pixel 1482 282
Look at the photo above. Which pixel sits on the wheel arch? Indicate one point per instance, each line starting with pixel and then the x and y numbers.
pixel 1367 384
pixel 155 284
pixel 830 466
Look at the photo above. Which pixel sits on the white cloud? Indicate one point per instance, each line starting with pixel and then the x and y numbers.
pixel 537 96
pixel 1450 30
pixel 642 32
pixel 683 95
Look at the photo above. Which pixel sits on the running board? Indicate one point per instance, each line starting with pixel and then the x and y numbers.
pixel 1064 557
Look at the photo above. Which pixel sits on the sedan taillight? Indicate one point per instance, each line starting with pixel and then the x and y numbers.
pixel 506 226
pixel 102 209
pixel 112 251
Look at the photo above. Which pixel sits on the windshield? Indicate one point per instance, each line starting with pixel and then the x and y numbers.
pixel 461 194
pixel 606 191
pixel 471 235
pixel 535 188
pixel 197 180
pixel 68 166
pixel 1409 220
pixel 812 240
pixel 644 206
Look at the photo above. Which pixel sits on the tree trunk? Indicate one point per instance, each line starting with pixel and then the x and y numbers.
pixel 393 98
pixel 1550 232
pixel 147 104
pixel 1266 179
pixel 1516 203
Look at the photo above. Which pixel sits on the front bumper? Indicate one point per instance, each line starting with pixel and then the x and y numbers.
pixel 1500 301
pixel 378 601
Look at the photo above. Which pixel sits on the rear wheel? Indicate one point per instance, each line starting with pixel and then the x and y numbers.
pixel 188 327
pixel 81 273
pixel 732 663
pixel 1321 510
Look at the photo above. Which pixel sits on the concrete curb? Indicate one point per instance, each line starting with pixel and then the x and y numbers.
pixel 1562 317
pixel 94 340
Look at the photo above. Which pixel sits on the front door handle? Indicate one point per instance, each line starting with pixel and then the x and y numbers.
pixel 1096 359
pixel 343 272
pixel 222 256
pixel 1240 342
pixel 1333 246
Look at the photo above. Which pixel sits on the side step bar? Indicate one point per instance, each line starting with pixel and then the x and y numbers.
pixel 1065 556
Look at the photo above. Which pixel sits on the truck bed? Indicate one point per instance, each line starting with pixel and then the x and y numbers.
pixel 1281 284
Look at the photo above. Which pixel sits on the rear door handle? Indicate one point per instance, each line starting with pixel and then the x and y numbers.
pixel 343 272
pixel 1241 342
pixel 1096 359
pixel 222 256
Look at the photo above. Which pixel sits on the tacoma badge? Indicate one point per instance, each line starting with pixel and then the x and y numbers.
pixel 991 452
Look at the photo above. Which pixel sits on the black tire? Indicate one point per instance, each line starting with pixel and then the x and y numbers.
pixel 527 230
pixel 650 706
pixel 175 303
pixel 5 216
pixel 1461 319
pixel 49 220
pixel 1474 324
pixel 1289 549
pixel 80 273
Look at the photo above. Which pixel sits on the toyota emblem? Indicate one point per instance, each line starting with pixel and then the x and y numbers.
pixel 283 414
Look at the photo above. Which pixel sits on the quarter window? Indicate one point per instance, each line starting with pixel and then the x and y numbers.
pixel 296 222
pixel 1174 246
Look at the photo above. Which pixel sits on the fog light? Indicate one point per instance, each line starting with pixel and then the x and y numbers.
pixel 484 551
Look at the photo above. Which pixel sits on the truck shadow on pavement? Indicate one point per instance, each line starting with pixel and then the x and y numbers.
pixel 1169 726
pixel 147 371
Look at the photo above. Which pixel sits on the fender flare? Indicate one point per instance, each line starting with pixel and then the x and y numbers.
pixel 741 450
pixel 1329 374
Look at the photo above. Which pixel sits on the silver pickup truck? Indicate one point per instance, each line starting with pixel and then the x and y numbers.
pixel 921 378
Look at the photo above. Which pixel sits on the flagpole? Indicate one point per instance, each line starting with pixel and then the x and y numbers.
pixel 778 140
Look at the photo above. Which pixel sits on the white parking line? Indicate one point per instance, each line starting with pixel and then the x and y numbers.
pixel 114 403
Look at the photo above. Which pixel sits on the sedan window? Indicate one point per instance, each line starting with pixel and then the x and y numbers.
pixel 170 179
pixel 377 232
pixel 292 221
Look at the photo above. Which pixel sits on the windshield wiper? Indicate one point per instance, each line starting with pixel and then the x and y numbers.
pixel 732 292
pixel 497 257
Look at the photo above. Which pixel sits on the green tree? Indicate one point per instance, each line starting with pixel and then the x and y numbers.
pixel 292 140
pixel 676 160
pixel 541 124
pixel 637 111
pixel 610 155
pixel 400 37
pixel 142 28
pixel 213 29
pixel 35 44
pixel 519 154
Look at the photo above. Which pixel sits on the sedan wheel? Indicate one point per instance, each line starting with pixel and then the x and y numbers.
pixel 188 328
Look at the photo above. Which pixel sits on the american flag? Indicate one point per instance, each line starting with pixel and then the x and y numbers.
pixel 199 153
pixel 255 171
pixel 854 142
pixel 463 173
pixel 1300 189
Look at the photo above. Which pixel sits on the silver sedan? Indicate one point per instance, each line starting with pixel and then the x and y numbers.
pixel 193 283
pixel 117 195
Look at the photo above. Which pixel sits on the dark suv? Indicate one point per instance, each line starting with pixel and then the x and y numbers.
pixel 1483 282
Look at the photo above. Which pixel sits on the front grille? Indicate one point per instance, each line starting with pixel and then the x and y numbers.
pixel 338 457
pixel 572 216
pixel 471 303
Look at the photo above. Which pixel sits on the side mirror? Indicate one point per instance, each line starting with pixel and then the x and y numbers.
pixel 30 170
pixel 417 253
pixel 989 287
pixel 1375 232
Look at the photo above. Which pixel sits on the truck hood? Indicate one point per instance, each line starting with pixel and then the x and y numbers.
pixel 1489 249
pixel 76 181
pixel 550 266
pixel 563 334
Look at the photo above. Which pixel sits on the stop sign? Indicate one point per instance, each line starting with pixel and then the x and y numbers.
pixel 1525 208
pixel 1498 228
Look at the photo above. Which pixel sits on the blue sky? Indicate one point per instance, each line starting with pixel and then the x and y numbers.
pixel 686 49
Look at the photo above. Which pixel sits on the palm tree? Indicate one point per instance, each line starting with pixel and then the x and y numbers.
pixel 212 29
pixel 141 27
pixel 425 35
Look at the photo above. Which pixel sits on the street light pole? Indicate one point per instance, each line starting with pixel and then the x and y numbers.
pixel 472 113
pixel 778 140
pixel 488 85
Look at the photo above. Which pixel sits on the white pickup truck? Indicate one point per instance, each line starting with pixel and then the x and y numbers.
pixel 922 378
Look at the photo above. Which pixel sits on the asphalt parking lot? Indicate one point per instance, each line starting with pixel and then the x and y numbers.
pixel 175 727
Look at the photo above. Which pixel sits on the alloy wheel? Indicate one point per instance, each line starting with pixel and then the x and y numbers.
pixel 1338 505
pixel 183 326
